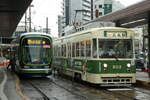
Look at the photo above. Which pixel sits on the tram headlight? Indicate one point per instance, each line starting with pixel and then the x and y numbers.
pixel 46 67
pixel 128 65
pixel 105 65
pixel 26 67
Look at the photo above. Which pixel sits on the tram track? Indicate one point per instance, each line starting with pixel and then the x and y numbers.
pixel 77 90
pixel 118 94
pixel 35 84
pixel 41 94
pixel 45 97
pixel 122 92
pixel 68 90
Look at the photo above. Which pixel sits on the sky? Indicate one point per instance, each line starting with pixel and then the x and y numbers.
pixel 51 9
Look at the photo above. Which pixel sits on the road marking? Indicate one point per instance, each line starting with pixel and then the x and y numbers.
pixel 18 89
pixel 3 96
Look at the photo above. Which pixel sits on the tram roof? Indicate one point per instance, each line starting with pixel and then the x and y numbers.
pixel 36 33
pixel 90 30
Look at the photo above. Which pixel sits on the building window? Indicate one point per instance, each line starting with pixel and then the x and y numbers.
pixel 100 6
pixel 100 13
pixel 95 6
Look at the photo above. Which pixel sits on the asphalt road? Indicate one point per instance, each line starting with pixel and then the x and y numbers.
pixel 60 88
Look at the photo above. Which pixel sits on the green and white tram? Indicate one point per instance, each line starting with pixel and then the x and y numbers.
pixel 33 54
pixel 98 56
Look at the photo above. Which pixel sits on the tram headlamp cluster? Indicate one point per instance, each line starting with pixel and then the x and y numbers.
pixel 128 65
pixel 26 67
pixel 46 67
pixel 105 65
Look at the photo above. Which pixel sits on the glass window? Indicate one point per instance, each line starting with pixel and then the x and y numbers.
pixel 73 50
pixel 64 50
pixel 115 48
pixel 100 6
pixel 77 50
pixel 54 53
pixel 59 50
pixel 94 48
pixel 82 48
pixel 36 50
pixel 69 49
pixel 56 50
pixel 88 48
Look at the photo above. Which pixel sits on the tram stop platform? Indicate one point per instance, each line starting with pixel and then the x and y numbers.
pixel 143 79
pixel 8 85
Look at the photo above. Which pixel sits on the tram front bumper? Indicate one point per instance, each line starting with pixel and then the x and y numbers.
pixel 111 78
pixel 35 71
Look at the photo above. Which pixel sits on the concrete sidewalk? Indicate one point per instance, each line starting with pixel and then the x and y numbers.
pixel 8 89
pixel 142 79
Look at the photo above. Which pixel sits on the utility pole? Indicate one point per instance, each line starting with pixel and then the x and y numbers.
pixel 25 21
pixel 30 17
pixel 92 10
pixel 46 24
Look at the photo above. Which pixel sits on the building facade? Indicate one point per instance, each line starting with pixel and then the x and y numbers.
pixel 103 7
pixel 74 12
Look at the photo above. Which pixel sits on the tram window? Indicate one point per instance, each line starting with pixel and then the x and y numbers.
pixel 94 48
pixel 88 48
pixel 56 51
pixel 64 50
pixel 73 49
pixel 115 48
pixel 82 48
pixel 59 50
pixel 69 50
pixel 77 49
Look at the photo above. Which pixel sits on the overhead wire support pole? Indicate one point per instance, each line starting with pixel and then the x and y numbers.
pixel 46 24
pixel 30 19
pixel 25 21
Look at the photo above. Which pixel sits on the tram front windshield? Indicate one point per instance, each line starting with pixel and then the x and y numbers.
pixel 112 48
pixel 36 50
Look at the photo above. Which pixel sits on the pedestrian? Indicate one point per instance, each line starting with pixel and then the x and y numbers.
pixel 11 64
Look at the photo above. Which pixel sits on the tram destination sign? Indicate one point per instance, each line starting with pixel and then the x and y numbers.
pixel 36 41
pixel 115 34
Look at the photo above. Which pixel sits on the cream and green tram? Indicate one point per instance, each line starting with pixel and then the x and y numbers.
pixel 98 56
